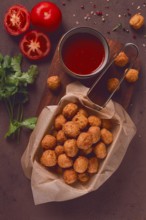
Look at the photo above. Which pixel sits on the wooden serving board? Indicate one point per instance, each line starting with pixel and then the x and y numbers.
pixel 122 96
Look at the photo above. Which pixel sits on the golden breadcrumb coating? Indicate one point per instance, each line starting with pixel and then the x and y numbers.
pixel 70 147
pixel 48 142
pixel 121 60
pixel 71 129
pixel 95 132
pixel 100 150
pixel 59 122
pixel 83 177
pixel 132 75
pixel 54 82
pixel 93 165
pixel 136 21
pixel 59 149
pixel 64 161
pixel 48 158
pixel 61 137
pixel 106 136
pixel 70 176
pixel 94 121
pixel 81 164
pixel 84 141
pixel 113 84
pixel 81 120
pixel 70 110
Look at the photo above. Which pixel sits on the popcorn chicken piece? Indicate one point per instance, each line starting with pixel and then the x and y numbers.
pixel 70 176
pixel 94 121
pixel 70 110
pixel 54 82
pixel 83 112
pixel 61 137
pixel 84 141
pixel 95 132
pixel 87 151
pixel 70 147
pixel 59 122
pixel 81 120
pixel 100 150
pixel 112 84
pixel 83 177
pixel 81 164
pixel 132 75
pixel 48 142
pixel 106 123
pixel 64 161
pixel 136 21
pixel 106 136
pixel 121 59
pixel 48 158
pixel 59 149
pixel 93 165
pixel 71 129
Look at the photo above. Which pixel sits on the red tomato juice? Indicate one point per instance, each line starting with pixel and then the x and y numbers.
pixel 83 53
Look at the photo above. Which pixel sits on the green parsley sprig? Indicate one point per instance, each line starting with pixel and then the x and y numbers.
pixel 14 92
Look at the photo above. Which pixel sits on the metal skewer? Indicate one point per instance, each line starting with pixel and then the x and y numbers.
pixel 107 68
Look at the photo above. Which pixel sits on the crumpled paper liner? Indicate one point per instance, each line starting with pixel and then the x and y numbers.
pixel 47 186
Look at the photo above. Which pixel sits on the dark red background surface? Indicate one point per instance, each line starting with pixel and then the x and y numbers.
pixel 123 196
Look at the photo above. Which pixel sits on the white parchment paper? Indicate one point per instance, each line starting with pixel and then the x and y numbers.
pixel 47 186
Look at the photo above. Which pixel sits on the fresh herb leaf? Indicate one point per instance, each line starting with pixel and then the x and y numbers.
pixel 13 90
pixel 15 125
pixel 29 123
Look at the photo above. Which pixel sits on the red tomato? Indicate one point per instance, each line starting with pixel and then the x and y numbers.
pixel 17 20
pixel 46 15
pixel 35 45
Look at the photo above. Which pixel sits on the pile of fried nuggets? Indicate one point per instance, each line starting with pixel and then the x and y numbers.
pixel 76 144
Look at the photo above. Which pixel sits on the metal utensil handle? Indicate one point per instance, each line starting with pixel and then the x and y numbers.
pixel 109 65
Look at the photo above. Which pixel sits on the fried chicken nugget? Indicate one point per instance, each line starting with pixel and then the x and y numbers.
pixel 136 21
pixel 112 84
pixel 70 147
pixel 95 132
pixel 64 161
pixel 81 120
pixel 54 82
pixel 100 150
pixel 81 164
pixel 48 142
pixel 83 177
pixel 94 121
pixel 106 136
pixel 70 176
pixel 59 149
pixel 61 137
pixel 70 110
pixel 59 122
pixel 86 152
pixel 83 112
pixel 71 129
pixel 93 165
pixel 132 75
pixel 48 158
pixel 121 60
pixel 84 140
